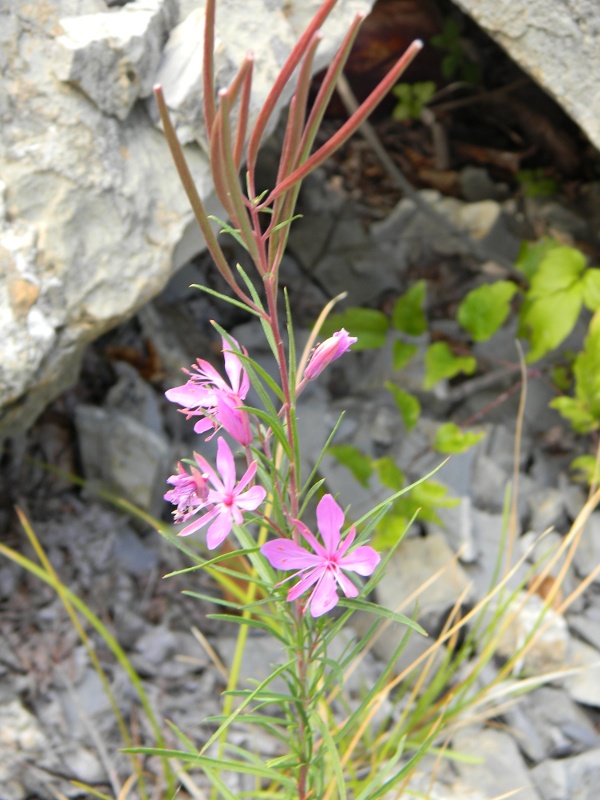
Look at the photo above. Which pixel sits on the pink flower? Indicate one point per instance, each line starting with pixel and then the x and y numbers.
pixel 324 566
pixel 208 395
pixel 328 351
pixel 226 500
pixel 189 492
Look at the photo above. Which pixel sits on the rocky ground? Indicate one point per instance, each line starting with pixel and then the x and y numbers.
pixel 115 428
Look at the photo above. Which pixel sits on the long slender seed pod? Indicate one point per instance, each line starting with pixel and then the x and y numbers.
pixel 327 88
pixel 232 180
pixel 208 66
pixel 281 81
pixel 242 126
pixel 195 201
pixel 349 127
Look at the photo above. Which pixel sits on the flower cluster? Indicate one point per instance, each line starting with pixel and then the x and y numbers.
pixel 220 404
pixel 223 501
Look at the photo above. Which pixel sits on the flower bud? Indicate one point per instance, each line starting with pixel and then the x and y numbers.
pixel 328 351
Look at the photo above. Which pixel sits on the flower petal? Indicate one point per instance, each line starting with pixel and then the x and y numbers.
pixel 348 588
pixel 251 499
pixel 330 519
pixel 235 420
pixel 219 530
pixel 199 523
pixel 310 537
pixel 285 554
pixel 225 464
pixel 324 596
pixel 190 395
pixel 363 560
pixel 234 369
pixel 246 477
pixel 307 580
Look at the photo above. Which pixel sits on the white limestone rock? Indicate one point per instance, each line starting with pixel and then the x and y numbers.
pixel 557 42
pixel 113 56
pixel 93 221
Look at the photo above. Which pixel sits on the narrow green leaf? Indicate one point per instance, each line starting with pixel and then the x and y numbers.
pixel 250 622
pixel 231 300
pixel 380 611
pixel 334 758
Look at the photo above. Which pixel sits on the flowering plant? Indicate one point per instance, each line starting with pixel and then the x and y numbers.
pixel 261 515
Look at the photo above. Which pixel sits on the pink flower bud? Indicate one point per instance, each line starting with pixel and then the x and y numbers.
pixel 328 351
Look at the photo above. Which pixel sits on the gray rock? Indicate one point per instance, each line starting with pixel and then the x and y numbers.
pixel 586 626
pixel 546 509
pixel 559 725
pixel 576 778
pixel 113 57
pixel 414 236
pixel 457 526
pixel 502 768
pixel 584 685
pixel 21 741
pixel 407 583
pixel 548 648
pixel 558 43
pixel 131 395
pixel 476 184
pixel 489 482
pixel 122 454
pixel 132 554
pixel 587 555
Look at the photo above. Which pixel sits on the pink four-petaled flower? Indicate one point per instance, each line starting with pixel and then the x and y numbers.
pixel 322 569
pixel 225 501
pixel 207 394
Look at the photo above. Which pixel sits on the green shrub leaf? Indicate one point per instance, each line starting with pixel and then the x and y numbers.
pixel 576 412
pixel 408 405
pixel 485 309
pixel 359 464
pixel 548 320
pixel 591 289
pixel 586 469
pixel 440 363
pixel 558 272
pixel 532 254
pixel 452 439
pixel 389 473
pixel 403 352
pixel 408 315
pixel 367 324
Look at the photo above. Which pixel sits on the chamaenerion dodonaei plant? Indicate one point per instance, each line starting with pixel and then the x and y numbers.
pixel 296 573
